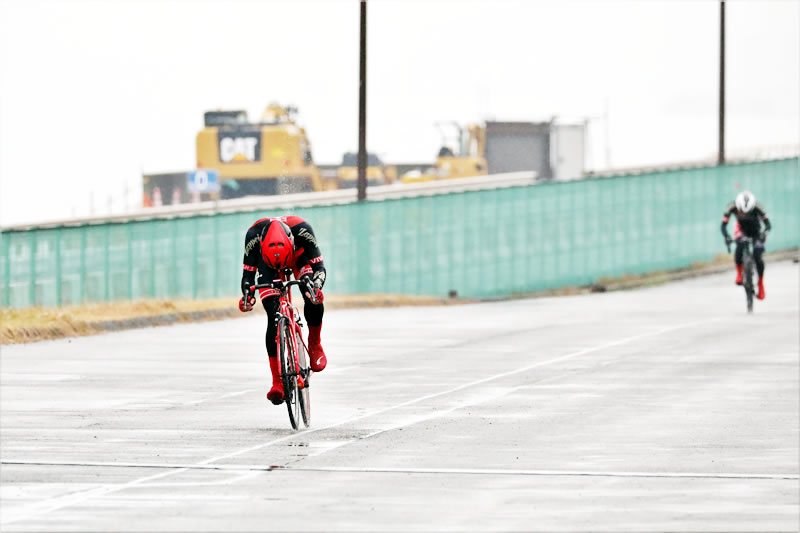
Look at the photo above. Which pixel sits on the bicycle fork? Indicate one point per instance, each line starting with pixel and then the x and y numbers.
pixel 293 340
pixel 298 329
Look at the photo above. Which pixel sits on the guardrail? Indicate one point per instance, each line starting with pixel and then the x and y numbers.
pixel 475 237
pixel 292 201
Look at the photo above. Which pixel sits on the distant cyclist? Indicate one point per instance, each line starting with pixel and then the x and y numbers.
pixel 271 245
pixel 749 216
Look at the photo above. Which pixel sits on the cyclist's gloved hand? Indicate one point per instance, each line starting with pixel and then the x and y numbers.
pixel 246 303
pixel 763 236
pixel 728 240
pixel 313 288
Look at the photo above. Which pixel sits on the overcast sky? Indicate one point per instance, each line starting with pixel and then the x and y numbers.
pixel 95 93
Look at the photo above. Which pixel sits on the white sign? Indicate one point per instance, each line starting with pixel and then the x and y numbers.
pixel 203 181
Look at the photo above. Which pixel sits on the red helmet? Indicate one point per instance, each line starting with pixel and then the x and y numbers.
pixel 277 245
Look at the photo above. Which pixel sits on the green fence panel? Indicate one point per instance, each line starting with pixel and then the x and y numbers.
pixel 475 244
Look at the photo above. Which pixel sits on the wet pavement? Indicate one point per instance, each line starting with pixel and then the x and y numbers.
pixel 658 409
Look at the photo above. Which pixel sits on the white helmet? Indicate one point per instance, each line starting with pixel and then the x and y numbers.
pixel 745 201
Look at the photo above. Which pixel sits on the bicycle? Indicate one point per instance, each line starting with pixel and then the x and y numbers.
pixel 748 269
pixel 295 371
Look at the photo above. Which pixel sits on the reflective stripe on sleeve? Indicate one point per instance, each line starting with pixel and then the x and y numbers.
pixel 266 293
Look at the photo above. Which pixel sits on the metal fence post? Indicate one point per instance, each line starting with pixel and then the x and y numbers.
pixel 626 249
pixel 173 261
pixel 195 258
pixel 82 274
pixel 215 263
pixel 7 257
pixel 387 263
pixel 526 217
pixel 130 259
pixel 58 266
pixel 107 264
pixel 32 269
pixel 450 277
pixel 573 268
pixel 153 234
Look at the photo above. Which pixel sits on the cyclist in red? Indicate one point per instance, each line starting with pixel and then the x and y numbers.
pixel 270 245
pixel 749 216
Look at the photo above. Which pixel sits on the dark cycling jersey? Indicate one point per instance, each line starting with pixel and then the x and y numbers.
pixel 307 258
pixel 748 224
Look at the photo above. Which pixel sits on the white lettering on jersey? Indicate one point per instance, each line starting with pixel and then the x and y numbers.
pixel 308 236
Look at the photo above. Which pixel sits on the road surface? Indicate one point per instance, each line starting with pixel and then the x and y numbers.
pixel 667 408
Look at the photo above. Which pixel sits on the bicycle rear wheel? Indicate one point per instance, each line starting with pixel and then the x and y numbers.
pixel 289 375
pixel 304 394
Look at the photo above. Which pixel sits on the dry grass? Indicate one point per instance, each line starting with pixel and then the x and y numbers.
pixel 657 276
pixel 45 317
pixel 37 323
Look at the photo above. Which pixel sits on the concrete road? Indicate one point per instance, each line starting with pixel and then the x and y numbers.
pixel 662 409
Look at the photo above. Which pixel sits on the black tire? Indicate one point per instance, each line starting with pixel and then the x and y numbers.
pixel 289 375
pixel 748 282
pixel 304 394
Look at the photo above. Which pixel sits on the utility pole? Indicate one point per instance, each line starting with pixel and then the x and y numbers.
pixel 721 152
pixel 362 108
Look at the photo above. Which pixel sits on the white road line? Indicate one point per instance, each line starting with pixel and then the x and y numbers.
pixel 418 419
pixel 249 473
pixel 440 413
pixel 253 469
pixel 513 472
pixel 53 504
pixel 229 395
pixel 61 502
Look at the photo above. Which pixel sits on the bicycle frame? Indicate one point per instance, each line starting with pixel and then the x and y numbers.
pixel 288 326
pixel 286 311
pixel 748 267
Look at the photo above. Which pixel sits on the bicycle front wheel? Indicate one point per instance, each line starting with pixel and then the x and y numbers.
pixel 304 394
pixel 289 375
pixel 748 283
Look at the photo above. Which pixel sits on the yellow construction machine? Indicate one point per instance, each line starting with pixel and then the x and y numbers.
pixel 378 173
pixel 271 156
pixel 462 158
